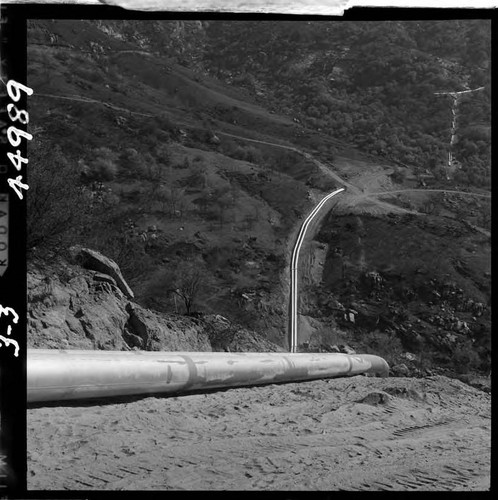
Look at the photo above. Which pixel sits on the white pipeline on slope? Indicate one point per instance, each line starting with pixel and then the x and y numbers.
pixel 54 375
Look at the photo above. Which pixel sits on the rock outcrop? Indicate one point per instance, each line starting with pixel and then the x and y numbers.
pixel 70 307
pixel 151 331
pixel 73 313
pixel 229 337
pixel 91 259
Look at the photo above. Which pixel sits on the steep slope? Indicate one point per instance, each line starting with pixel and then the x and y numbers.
pixel 171 169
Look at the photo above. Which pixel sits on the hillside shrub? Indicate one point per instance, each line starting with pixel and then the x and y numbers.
pixel 198 136
pixel 464 358
pixel 162 153
pixel 154 170
pixel 165 123
pixel 242 152
pixel 62 56
pixel 224 199
pixel 247 153
pixel 57 206
pixel 384 344
pixel 172 199
pixel 398 176
pixel 132 164
pixel 252 154
pixel 198 177
pixel 92 75
pixel 101 167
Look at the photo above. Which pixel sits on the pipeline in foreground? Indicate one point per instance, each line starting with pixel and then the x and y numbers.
pixel 59 375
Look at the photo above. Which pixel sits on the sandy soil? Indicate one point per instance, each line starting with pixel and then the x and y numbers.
pixel 356 433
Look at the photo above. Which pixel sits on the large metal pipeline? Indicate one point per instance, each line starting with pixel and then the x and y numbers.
pixel 58 375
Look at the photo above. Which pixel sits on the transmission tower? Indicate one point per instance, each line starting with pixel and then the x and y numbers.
pixel 456 98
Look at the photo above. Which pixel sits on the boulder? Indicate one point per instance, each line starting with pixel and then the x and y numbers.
pixel 104 278
pixel 244 340
pixel 332 348
pixel 91 259
pixel 375 398
pixel 409 356
pixel 133 341
pixel 400 370
pixel 228 337
pixel 71 316
pixel 103 322
pixel 79 285
pixel 346 349
pixel 158 332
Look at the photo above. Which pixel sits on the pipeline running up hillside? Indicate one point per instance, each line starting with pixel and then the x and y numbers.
pixel 59 375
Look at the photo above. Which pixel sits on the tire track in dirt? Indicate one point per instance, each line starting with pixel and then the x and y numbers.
pixel 444 478
pixel 357 433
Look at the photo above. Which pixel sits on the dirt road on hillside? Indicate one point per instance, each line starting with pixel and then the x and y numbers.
pixel 355 433
pixel 368 185
pixel 361 195
pixel 353 197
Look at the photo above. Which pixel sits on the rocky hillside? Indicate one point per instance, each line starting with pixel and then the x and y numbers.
pixel 85 304
pixel 191 152
pixel 408 299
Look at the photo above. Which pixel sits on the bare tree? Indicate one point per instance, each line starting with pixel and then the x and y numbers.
pixel 188 283
pixel 185 279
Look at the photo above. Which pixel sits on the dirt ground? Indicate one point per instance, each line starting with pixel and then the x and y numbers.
pixel 357 433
